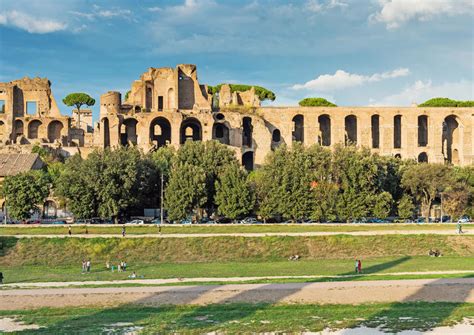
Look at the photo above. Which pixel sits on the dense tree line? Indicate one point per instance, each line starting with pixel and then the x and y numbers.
pixel 205 178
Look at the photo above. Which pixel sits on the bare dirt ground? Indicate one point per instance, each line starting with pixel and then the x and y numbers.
pixel 355 233
pixel 447 290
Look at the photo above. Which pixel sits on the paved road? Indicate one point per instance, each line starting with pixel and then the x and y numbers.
pixel 215 279
pixel 355 233
pixel 347 292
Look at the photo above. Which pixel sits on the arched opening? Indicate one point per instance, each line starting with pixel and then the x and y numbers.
pixel 423 158
pixel 247 132
pixel 220 117
pixel 397 131
pixel 451 139
pixel 128 132
pixel 171 103
pixel 190 130
pixel 298 128
pixel 106 130
pixel 50 210
pixel 54 131
pixel 160 132
pixel 375 127
pixel 398 156
pixel 350 126
pixel 17 130
pixel 33 129
pixel 422 131
pixel 137 109
pixel 220 132
pixel 247 160
pixel 276 136
pixel 2 129
pixel 324 137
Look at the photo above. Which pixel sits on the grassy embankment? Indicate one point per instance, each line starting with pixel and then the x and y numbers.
pixel 242 318
pixel 229 228
pixel 59 259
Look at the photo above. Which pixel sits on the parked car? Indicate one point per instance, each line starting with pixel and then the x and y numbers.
pixel 137 221
pixel 186 221
pixel 421 219
pixel 250 220
pixel 53 221
pixel 158 221
pixel 83 221
pixel 33 221
pixel 464 219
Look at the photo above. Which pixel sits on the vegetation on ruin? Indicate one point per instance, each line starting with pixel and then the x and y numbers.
pixel 446 102
pixel 127 94
pixel 243 318
pixel 316 102
pixel 261 92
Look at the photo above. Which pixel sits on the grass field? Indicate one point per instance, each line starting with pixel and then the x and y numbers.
pixel 324 267
pixel 241 318
pixel 229 228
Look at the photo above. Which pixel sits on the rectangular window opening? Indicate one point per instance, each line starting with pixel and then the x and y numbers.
pixel 160 103
pixel 2 106
pixel 31 107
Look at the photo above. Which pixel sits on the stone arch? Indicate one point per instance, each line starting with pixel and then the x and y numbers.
pixel 451 139
pixel 276 135
pixel 324 137
pixel 33 129
pixel 106 131
pixel 220 132
pixel 350 126
pixel 398 156
pixel 128 132
pixel 375 130
pixel 17 129
pixel 191 130
pixel 423 157
pixel 160 131
pixel 50 210
pixel 422 130
pixel 298 128
pixel 54 131
pixel 171 103
pixel 397 131
pixel 247 132
pixel 247 160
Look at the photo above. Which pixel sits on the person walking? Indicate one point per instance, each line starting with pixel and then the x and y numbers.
pixel 87 231
pixel 83 266
pixel 123 231
pixel 359 267
pixel 1 278
pixel 70 230
pixel 88 265
pixel 459 228
pixel 124 266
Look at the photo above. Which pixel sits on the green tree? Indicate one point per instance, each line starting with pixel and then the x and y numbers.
pixel 261 188
pixel 446 102
pixel 406 208
pixel 186 191
pixel 24 192
pixel 425 182
pixel 465 176
pixel 233 198
pixel 316 102
pixel 382 205
pixel 455 200
pixel 78 100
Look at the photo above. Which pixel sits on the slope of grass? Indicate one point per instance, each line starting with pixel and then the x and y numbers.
pixel 242 318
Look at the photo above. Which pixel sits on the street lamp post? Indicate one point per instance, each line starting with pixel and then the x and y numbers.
pixel 161 209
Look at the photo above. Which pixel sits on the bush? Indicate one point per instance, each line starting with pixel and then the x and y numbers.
pixel 446 102
pixel 308 102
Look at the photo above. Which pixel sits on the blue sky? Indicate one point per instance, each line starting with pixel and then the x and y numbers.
pixel 353 52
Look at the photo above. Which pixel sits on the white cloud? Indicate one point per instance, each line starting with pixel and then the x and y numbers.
pixel 315 6
pixel 155 9
pixel 99 12
pixel 396 12
pixel 421 91
pixel 29 23
pixel 342 79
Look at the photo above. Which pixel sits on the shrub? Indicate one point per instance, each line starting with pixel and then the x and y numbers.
pixel 446 102
pixel 316 102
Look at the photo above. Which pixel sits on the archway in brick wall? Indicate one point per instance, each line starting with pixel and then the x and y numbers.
pixel 54 131
pixel 375 130
pixel 298 128
pixel 220 132
pixel 350 126
pixel 128 132
pixel 247 132
pixel 423 157
pixel 106 132
pixel 247 160
pixel 17 129
pixel 33 129
pixel 451 139
pixel 160 131
pixel 422 131
pixel 397 131
pixel 191 130
pixel 324 137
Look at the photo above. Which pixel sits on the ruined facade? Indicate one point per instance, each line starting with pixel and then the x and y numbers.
pixel 169 106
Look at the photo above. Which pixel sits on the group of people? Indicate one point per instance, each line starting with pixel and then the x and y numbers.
pixel 435 253
pixel 86 266
pixel 121 266
pixel 358 266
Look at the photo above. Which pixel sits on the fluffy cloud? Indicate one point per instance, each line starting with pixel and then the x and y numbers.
pixel 421 91
pixel 29 23
pixel 396 12
pixel 342 79
pixel 99 12
pixel 315 6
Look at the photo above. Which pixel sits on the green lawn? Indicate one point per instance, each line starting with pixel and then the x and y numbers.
pixel 229 228
pixel 241 318
pixel 323 267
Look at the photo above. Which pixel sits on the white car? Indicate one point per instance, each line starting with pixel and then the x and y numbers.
pixel 464 219
pixel 136 222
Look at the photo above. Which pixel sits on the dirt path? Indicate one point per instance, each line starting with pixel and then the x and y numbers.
pixel 347 292
pixel 214 279
pixel 355 233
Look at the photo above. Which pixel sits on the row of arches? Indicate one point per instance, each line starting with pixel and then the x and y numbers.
pixel 54 130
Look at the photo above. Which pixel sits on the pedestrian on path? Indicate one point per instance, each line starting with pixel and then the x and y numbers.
pixel 87 231
pixel 459 228
pixel 70 230
pixel 83 266
pixel 1 277
pixel 123 231
pixel 88 265
pixel 359 266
